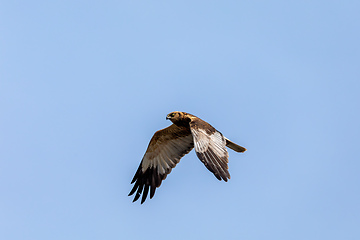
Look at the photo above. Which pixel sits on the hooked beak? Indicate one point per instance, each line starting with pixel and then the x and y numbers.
pixel 167 118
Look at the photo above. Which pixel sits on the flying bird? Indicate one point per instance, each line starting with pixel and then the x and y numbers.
pixel 170 144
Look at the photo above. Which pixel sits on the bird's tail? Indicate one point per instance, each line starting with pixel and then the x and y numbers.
pixel 234 146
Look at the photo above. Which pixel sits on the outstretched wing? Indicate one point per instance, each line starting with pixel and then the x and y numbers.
pixel 165 150
pixel 210 147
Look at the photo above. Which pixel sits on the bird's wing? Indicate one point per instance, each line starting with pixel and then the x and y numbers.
pixel 165 150
pixel 210 147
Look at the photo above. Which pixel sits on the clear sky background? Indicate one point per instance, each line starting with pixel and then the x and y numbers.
pixel 85 84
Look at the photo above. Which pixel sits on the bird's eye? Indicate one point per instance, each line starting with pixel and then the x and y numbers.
pixel 173 114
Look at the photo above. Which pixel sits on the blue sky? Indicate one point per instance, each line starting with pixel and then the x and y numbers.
pixel 85 84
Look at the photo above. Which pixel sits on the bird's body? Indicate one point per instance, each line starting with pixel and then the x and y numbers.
pixel 170 144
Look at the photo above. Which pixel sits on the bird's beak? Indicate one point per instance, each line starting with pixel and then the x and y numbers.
pixel 167 118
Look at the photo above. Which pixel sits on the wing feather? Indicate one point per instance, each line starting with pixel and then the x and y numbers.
pixel 210 147
pixel 165 150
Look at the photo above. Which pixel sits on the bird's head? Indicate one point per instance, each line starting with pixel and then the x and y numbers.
pixel 179 118
pixel 174 116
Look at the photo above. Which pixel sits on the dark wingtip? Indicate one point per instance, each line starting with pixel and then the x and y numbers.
pixel 146 184
pixel 136 197
pixel 133 190
pixel 145 193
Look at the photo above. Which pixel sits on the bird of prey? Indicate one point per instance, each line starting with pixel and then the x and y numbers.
pixel 170 144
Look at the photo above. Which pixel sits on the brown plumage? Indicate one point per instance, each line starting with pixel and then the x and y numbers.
pixel 170 144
